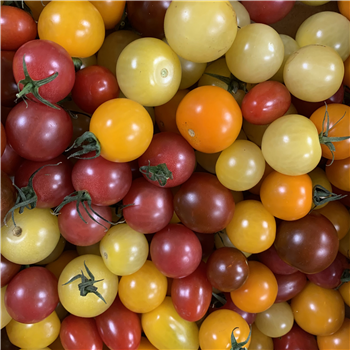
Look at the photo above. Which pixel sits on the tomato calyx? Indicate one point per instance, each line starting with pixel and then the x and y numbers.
pixel 233 83
pixel 87 285
pixel 77 63
pixel 159 173
pixel 321 196
pixel 239 346
pixel 325 139
pixel 32 86
pixel 345 277
pixel 27 197
pixel 91 145
pixel 219 298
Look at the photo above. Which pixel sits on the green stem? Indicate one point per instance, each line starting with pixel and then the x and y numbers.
pixel 88 143
pixel 321 196
pixel 159 173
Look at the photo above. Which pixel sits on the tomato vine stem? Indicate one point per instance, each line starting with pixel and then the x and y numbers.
pixel 159 173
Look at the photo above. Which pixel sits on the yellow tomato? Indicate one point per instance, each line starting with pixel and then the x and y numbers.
pixel 345 292
pixel 55 253
pixel 111 11
pixel 57 266
pixel 5 316
pixel 338 341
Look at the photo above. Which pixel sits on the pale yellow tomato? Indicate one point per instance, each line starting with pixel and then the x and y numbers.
pixel 191 72
pixel 34 237
pixel 5 316
pixel 200 31
pixel 254 132
pixel 260 341
pixel 242 14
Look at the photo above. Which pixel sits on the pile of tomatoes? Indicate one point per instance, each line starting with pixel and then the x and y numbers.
pixel 175 175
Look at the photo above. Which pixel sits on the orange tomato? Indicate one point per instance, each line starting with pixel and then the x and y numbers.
pixel 338 173
pixel 209 118
pixel 347 71
pixel 344 8
pixel 287 197
pixel 339 340
pixel 344 290
pixel 111 11
pixel 57 266
pixel 145 344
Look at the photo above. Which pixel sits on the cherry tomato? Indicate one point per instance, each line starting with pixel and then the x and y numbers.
pixel 8 271
pixel 5 316
pixel 57 266
pixel 260 340
pixel 290 285
pixel 111 11
pixel 9 87
pixel 338 340
pixel 338 173
pixel 8 195
pixel 344 290
pixel 319 177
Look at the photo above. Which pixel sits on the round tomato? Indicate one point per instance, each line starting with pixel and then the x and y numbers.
pixel 5 316
pixel 338 173
pixel 260 340
pixel 111 11
pixel 338 340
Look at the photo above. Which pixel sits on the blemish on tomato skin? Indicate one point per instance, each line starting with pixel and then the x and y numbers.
pixel 191 133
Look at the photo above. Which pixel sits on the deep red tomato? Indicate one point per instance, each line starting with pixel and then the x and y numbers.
pixel 17 27
pixel 119 327
pixel 3 139
pixel 10 161
pixel 9 87
pixel 289 285
pixel 80 333
pixel 207 243
pixel 8 269
pixel 93 86
pixel 50 184
pixel 174 151
pixel 265 102
pixel 8 195
pixel 38 132
pixel 151 207
pixel 176 251
pixel 107 182
pixel 32 295
pixel 43 59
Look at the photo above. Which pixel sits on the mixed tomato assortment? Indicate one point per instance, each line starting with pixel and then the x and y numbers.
pixel 175 175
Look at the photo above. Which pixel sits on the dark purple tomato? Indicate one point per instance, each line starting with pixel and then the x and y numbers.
pixel 176 251
pixel 147 17
pixel 8 198
pixel 8 84
pixel 79 333
pixel 191 295
pixel 268 12
pixel 207 243
pixel 175 152
pixel 329 277
pixel 93 86
pixel 76 231
pixel 227 269
pixel 32 295
pixel 152 206
pixel 51 184
pixel 8 270
pixel 203 204
pixel 10 161
pixel 38 132
pixel 17 27
pixel 309 244
pixel 119 327
pixel 107 182
pixel 289 285
pixel 265 102
pixel 295 339
pixel 43 59
pixel 271 259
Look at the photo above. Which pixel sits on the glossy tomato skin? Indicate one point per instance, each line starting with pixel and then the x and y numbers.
pixel 32 295
pixel 176 251
pixel 38 132
pixel 338 173
pixel 107 182
pixel 10 161
pixel 119 327
pixel 80 333
pixel 8 84
pixel 8 270
pixel 111 11
pixel 266 102
pixel 338 340
pixel 51 184
pixel 191 295
pixel 8 196
pixel 93 86
pixel 17 27
pixel 310 244
pixel 289 285
pixel 173 150
pixel 152 207
pixel 203 204
pixel 56 59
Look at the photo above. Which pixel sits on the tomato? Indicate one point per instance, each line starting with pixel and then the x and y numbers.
pixel 33 238
pixel 31 295
pixel 259 292
pixel 252 228
pixel 191 72
pixel 203 204
pixel 36 7
pixel 55 254
pixel 242 14
pixel 8 271
pixel 227 269
pixel 75 298
pixel 287 197
pixel 325 307
pixel 119 327
pixel 344 245
pixel 222 240
pixel 80 333
pixel 77 26
pixel 9 87
pixel 176 251
pixel 215 331
pixel 260 340
pixel 200 32
pixel 17 27
pixel 144 290
pixel 123 128
pixel 5 316
pixel 325 28
pixel 338 173
pixel 311 81
pixel 344 9
pixel 123 250
pixel 290 285
pixel 344 290
pixel 165 329
pixel 209 118
pixel 34 335
pixel 111 11
pixel 240 166
pixel 254 132
pixel 57 266
pixel 338 340
pixel 8 195
pixel 318 177
pixel 145 345
pixel 291 145
pixel 93 86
